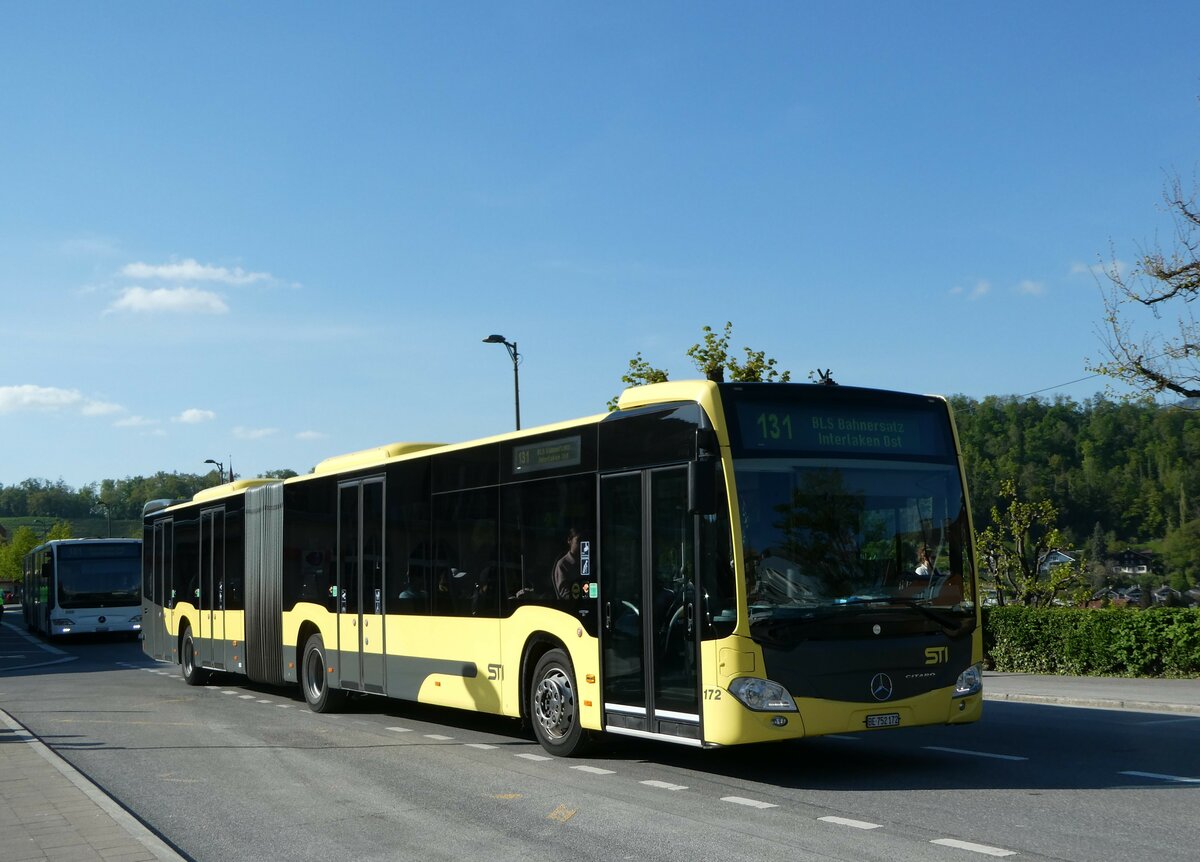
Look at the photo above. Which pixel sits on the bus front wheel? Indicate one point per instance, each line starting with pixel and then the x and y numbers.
pixel 193 674
pixel 314 678
pixel 554 706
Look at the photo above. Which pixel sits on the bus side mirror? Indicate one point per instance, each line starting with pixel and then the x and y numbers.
pixel 702 487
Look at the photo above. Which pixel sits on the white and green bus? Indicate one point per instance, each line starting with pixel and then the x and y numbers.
pixel 708 564
pixel 83 586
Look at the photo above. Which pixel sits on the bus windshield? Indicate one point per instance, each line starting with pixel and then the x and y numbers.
pixel 91 576
pixel 826 539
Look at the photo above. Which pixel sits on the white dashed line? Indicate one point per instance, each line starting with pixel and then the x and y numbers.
pixel 1160 777
pixel 664 785
pixel 229 692
pixel 284 705
pixel 974 848
pixel 750 803
pixel 594 770
pixel 400 729
pixel 974 753
pixel 438 737
pixel 532 756
pixel 854 824
pixel 480 745
pixel 260 700
pixel 246 696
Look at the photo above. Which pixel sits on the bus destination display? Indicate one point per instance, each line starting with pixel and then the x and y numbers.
pixel 547 455
pixel 836 428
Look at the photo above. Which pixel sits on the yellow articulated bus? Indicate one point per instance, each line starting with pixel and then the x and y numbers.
pixel 709 564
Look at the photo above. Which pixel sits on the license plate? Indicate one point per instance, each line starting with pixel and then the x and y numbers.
pixel 101 628
pixel 888 719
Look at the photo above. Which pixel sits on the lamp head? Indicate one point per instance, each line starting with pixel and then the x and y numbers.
pixel 494 339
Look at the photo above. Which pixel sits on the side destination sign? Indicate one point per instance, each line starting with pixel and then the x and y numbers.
pixel 842 428
pixel 547 455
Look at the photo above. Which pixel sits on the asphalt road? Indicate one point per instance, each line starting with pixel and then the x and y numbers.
pixel 233 771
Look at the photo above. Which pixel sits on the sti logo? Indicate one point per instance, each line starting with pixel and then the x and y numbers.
pixel 937 655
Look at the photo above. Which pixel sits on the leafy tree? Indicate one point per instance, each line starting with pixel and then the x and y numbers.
pixel 279 474
pixel 1181 554
pixel 1014 548
pixel 712 359
pixel 24 540
pixel 1162 281
pixel 12 554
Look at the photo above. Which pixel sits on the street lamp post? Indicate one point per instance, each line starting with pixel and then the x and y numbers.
pixel 512 352
pixel 220 467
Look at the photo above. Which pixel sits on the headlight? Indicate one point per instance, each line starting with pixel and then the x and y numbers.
pixel 762 695
pixel 970 681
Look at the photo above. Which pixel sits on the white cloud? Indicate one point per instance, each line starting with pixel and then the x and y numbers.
pixel 187 300
pixel 134 422
pixel 14 399
pixel 1101 270
pixel 253 433
pixel 191 270
pixel 311 435
pixel 1031 288
pixel 194 416
pixel 980 289
pixel 101 408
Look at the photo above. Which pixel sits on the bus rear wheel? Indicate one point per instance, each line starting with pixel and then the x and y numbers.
pixel 193 674
pixel 554 706
pixel 314 678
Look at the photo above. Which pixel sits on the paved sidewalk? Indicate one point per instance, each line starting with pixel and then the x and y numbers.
pixel 49 811
pixel 1096 692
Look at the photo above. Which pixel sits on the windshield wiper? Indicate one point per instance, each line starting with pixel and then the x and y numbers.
pixel 947 622
pixel 782 631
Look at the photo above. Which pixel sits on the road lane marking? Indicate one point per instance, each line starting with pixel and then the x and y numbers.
pixel 751 803
pixel 400 729
pixel 246 696
pixel 974 753
pixel 974 848
pixel 855 824
pixel 480 745
pixel 664 785
pixel 1181 779
pixel 532 756
pixel 438 737
pixel 595 770
pixel 229 692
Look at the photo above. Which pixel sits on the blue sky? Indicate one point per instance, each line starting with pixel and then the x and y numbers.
pixel 277 232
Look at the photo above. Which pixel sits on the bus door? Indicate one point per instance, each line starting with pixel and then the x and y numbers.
pixel 647 570
pixel 154 613
pixel 360 584
pixel 211 641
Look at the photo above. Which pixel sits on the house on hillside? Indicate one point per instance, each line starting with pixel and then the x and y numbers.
pixel 1130 563
pixel 1053 559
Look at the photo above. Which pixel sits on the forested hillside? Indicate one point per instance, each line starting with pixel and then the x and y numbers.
pixel 1120 474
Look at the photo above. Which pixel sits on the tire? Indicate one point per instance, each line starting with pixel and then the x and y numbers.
pixel 314 678
pixel 554 706
pixel 193 674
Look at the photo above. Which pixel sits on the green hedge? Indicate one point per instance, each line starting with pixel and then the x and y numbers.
pixel 1108 642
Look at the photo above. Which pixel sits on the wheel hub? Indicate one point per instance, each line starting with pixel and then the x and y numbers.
pixel 554 704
